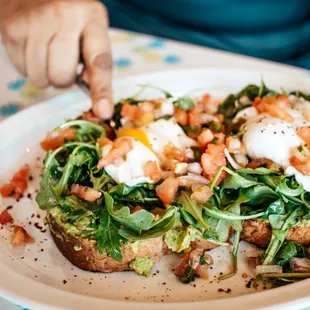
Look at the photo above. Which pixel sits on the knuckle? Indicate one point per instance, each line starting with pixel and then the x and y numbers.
pixel 60 78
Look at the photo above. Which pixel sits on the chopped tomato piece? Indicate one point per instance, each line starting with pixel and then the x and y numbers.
pixel 195 263
pixel 212 160
pixel 302 166
pixel 181 117
pixel 109 131
pixel 273 106
pixel 173 152
pixel 167 190
pixel 21 236
pixel 102 141
pixel 85 192
pixel 131 112
pixel 5 217
pixel 135 209
pixel 162 175
pixel 56 139
pixel 121 147
pixel 304 133
pixel 18 184
pixel 150 168
pixel 204 138
pixel 205 99
pixel 197 119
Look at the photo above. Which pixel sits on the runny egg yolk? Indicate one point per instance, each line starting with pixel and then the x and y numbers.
pixel 137 134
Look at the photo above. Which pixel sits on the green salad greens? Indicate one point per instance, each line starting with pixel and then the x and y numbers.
pixel 264 194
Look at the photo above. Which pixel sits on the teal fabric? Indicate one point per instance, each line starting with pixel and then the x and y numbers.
pixel 278 30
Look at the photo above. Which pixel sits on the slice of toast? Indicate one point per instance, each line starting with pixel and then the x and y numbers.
pixel 260 232
pixel 84 254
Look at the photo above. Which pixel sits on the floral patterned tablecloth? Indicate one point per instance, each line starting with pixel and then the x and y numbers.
pixel 132 53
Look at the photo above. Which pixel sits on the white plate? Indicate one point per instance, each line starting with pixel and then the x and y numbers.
pixel 34 275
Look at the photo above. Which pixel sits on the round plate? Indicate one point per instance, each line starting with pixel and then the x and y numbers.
pixel 38 276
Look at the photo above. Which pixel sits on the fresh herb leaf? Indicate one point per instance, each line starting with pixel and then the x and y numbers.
pixel 192 208
pixel 184 103
pixel 136 222
pixel 156 229
pixel 108 239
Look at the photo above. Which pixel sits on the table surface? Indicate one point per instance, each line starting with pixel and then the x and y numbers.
pixel 132 54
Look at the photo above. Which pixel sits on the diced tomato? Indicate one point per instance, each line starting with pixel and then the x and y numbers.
pixel 167 190
pixel 20 237
pixel 181 117
pixel 255 163
pixel 18 184
pixel 195 263
pixel 173 152
pixel 54 140
pixel 131 112
pixel 162 175
pixel 102 141
pixel 135 209
pixel 121 147
pixel 302 166
pixel 150 168
pixel 197 119
pixel 85 192
pixel 204 138
pixel 304 133
pixel 273 106
pixel 5 217
pixel 205 99
pixel 212 160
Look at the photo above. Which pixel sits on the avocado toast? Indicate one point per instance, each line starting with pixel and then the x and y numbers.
pixel 178 175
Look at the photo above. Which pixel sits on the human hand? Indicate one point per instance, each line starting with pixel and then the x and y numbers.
pixel 44 38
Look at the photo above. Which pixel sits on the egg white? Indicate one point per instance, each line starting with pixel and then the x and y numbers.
pixel 129 170
pixel 274 139
pixel 161 132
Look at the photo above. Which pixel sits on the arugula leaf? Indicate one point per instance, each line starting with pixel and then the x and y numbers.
pixel 184 103
pixel 136 222
pixel 108 239
pixel 276 207
pixel 257 171
pixel 87 131
pixel 236 181
pixel 300 95
pixel 156 229
pixel 289 188
pixel 100 182
pixel 46 198
pixel 72 204
pixel 287 251
pixel 259 195
pixel 192 208
pixel 79 157
pixel 280 225
pixel 145 86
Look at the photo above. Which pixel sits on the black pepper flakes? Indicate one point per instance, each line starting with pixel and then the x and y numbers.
pixel 9 207
pixel 64 281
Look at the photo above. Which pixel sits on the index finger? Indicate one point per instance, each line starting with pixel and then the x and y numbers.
pixel 97 56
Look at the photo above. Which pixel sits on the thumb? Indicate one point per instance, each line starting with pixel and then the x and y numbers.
pixel 98 61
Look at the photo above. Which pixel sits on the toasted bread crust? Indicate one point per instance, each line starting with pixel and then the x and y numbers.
pixel 259 233
pixel 84 254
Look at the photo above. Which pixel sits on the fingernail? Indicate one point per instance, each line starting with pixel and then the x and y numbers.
pixel 103 108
